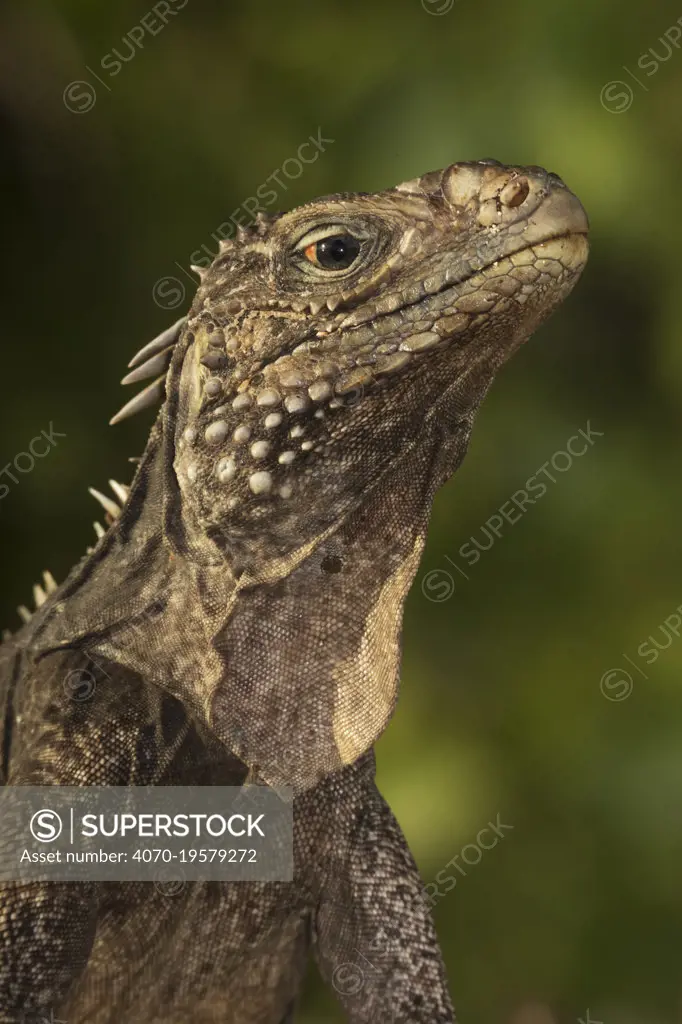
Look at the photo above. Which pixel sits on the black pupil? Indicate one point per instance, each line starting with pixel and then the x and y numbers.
pixel 337 253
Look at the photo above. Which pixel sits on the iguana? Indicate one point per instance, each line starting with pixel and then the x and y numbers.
pixel 243 611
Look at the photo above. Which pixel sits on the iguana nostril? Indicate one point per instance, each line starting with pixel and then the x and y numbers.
pixel 515 192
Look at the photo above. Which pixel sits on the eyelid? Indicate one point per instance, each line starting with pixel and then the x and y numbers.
pixel 325 231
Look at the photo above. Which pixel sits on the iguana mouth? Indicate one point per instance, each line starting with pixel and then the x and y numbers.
pixel 465 299
pixel 450 287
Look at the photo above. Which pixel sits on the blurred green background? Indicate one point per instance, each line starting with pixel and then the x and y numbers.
pixel 577 912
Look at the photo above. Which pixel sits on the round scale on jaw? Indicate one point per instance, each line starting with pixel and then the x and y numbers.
pixel 227 470
pixel 269 397
pixel 241 434
pixel 273 420
pixel 217 432
pixel 260 449
pixel 213 387
pixel 242 401
pixel 320 390
pixel 260 483
pixel 296 403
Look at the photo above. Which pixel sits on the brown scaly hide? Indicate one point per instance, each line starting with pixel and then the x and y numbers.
pixel 261 563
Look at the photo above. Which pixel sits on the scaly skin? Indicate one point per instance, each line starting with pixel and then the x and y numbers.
pixel 248 600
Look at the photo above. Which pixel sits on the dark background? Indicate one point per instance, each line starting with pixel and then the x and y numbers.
pixel 578 909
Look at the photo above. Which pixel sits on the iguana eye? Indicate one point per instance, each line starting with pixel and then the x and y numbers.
pixel 339 252
pixel 330 248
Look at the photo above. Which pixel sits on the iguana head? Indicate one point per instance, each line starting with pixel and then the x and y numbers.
pixel 324 341
pixel 321 390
